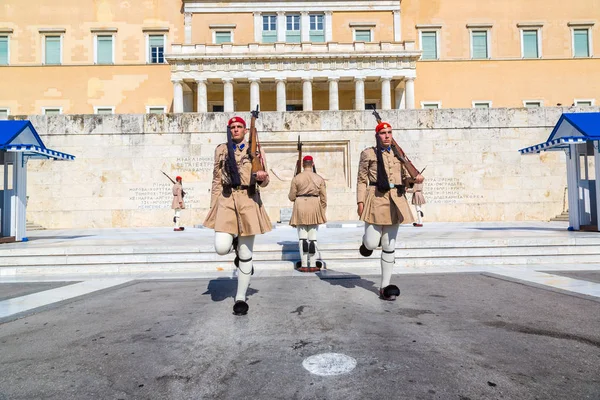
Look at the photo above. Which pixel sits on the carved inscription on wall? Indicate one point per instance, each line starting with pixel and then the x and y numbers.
pixel 448 191
pixel 159 196
pixel 195 164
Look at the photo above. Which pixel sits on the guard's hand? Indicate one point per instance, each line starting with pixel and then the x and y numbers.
pixel 261 176
pixel 181 203
pixel 360 209
pixel 419 179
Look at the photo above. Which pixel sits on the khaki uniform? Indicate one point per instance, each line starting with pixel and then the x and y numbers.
pixel 177 197
pixel 417 198
pixel 235 211
pixel 309 194
pixel 388 208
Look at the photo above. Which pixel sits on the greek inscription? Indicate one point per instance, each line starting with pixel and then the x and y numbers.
pixel 448 191
pixel 159 196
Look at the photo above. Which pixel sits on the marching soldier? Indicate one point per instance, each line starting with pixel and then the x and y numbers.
pixel 309 194
pixel 382 203
pixel 418 200
pixel 177 203
pixel 236 209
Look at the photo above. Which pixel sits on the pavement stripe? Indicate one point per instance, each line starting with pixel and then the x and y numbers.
pixel 25 303
pixel 555 281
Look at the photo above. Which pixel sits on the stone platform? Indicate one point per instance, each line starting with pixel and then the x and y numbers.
pixel 443 246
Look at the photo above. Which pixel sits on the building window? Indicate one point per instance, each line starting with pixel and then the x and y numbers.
pixel 104 49
pixel 223 37
pixel 156 49
pixel 104 110
pixel 4 54
pixel 430 105
pixel 532 103
pixel 317 31
pixel 292 33
pixel 429 45
pixel 584 102
pixel 51 110
pixel 156 109
pixel 4 113
pixel 581 43
pixel 52 50
pixel 363 35
pixel 217 108
pixel 269 31
pixel 479 44
pixel 293 107
pixel 482 104
pixel 530 43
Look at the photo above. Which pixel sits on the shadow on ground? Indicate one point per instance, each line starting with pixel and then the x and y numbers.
pixel 224 288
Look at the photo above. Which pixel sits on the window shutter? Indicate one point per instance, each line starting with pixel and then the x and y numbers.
pixel 52 49
pixel 104 50
pixel 429 45
pixel 530 44
pixel 480 49
pixel 581 43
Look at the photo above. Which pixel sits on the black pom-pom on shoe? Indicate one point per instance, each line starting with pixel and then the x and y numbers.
pixel 389 293
pixel 240 308
pixel 364 251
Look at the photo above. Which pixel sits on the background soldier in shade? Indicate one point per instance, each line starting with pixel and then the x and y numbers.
pixel 382 203
pixel 309 194
pixel 418 200
pixel 236 209
pixel 177 203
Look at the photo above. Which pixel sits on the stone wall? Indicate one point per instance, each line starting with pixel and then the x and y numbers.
pixel 474 171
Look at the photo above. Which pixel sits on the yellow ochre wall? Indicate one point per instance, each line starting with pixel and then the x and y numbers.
pixel 506 79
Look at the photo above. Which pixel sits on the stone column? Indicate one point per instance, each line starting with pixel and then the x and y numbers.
pixel 410 92
pixel 254 93
pixel 304 27
pixel 257 27
pixel 281 98
pixel 281 23
pixel 228 94
pixel 386 94
pixel 307 103
pixel 397 26
pixel 328 26
pixel 359 93
pixel 201 95
pixel 177 95
pixel 399 96
pixel 334 98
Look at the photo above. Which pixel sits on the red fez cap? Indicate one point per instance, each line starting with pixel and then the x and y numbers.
pixel 237 119
pixel 382 125
pixel 307 158
pixel 178 178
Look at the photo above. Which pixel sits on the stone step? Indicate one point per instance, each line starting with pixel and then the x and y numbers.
pixel 32 226
pixel 563 217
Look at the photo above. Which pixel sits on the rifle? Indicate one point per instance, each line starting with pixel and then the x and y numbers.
pixel 399 153
pixel 299 162
pixel 254 148
pixel 172 181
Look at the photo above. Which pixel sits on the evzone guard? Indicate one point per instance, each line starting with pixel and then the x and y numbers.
pixel 309 194
pixel 384 172
pixel 236 210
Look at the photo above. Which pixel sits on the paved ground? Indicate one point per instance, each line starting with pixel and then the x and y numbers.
pixel 450 336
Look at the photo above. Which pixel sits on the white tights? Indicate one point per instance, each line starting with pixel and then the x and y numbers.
pixel 419 218
pixel 387 234
pixel 223 245
pixel 308 233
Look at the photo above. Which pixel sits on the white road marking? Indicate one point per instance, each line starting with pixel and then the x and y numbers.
pixel 329 364
pixel 25 303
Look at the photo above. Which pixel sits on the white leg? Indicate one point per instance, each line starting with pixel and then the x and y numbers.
pixel 388 246
pixel 419 218
pixel 312 242
pixel 303 242
pixel 372 236
pixel 176 217
pixel 223 241
pixel 246 245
